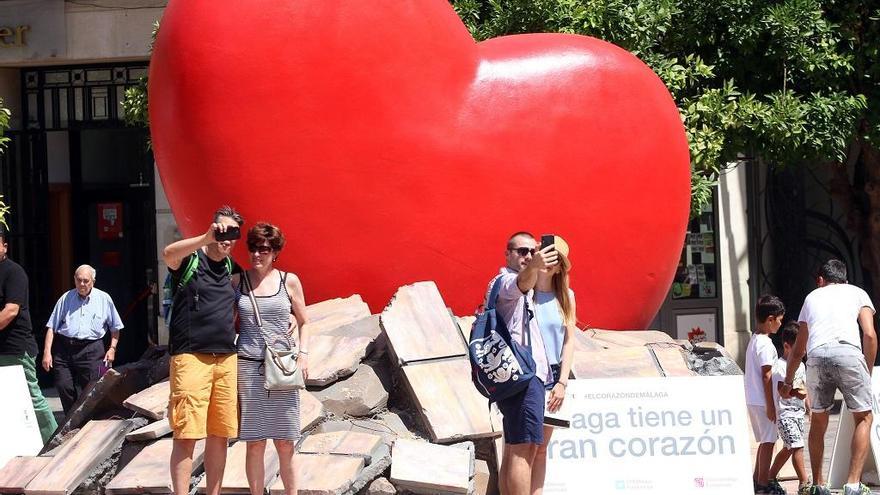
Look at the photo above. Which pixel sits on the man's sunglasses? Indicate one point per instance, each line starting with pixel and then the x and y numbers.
pixel 522 251
pixel 259 249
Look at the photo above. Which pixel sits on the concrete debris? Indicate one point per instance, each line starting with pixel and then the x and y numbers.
pixel 361 394
pixel 381 486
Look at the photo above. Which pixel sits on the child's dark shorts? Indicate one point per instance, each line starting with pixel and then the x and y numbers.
pixel 524 415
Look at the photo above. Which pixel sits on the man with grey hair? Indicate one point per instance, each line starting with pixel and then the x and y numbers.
pixel 76 329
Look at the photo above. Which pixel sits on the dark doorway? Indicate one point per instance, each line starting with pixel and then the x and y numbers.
pixel 114 224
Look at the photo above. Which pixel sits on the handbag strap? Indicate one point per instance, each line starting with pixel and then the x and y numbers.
pixel 259 319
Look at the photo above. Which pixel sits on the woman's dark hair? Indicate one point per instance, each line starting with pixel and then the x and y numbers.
pixel 833 271
pixel 768 306
pixel 265 232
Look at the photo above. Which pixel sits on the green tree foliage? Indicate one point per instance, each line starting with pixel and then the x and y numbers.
pixel 5 115
pixel 788 81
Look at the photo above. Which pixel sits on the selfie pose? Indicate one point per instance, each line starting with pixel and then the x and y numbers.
pixel 523 412
pixel 276 311
pixel 554 308
pixel 204 394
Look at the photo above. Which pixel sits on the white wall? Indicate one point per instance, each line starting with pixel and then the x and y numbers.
pixel 121 31
pixel 733 250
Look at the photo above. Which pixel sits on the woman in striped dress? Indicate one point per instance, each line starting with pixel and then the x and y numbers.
pixel 268 414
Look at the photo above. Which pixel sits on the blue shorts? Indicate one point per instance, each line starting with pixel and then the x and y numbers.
pixel 523 415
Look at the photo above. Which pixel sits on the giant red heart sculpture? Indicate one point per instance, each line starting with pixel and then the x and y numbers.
pixel 391 148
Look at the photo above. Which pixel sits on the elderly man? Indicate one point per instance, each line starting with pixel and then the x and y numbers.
pixel 17 343
pixel 76 329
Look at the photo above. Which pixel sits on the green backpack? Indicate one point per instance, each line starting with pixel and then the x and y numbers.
pixel 169 289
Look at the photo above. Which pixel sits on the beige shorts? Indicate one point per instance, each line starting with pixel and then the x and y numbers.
pixel 204 395
pixel 765 430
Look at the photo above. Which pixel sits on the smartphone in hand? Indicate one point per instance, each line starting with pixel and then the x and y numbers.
pixel 231 234
pixel 547 240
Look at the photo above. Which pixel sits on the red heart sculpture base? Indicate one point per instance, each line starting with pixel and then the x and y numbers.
pixel 391 148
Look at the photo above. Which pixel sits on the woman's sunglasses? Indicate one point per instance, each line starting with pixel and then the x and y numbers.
pixel 259 249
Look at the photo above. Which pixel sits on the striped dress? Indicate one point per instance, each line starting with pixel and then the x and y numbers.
pixel 264 414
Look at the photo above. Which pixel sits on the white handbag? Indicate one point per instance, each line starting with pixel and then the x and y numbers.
pixel 281 371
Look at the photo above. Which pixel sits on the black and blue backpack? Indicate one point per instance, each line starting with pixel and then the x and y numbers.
pixel 500 366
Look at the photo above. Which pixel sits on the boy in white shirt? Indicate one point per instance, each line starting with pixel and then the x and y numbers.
pixel 760 357
pixel 790 413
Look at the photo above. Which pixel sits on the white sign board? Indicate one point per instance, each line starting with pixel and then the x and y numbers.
pixel 842 453
pixel 18 423
pixel 686 435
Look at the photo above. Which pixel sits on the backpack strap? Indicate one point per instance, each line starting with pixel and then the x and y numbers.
pixel 190 270
pixel 228 262
pixel 493 294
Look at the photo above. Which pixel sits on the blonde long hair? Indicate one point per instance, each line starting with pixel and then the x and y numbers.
pixel 563 294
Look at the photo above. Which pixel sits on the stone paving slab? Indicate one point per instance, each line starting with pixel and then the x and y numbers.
pixel 447 401
pixel 151 402
pixel 235 477
pixel 148 472
pixel 19 471
pixel 423 467
pixel 419 327
pixel 323 474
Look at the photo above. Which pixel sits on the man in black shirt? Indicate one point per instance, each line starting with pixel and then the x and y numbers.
pixel 17 343
pixel 204 365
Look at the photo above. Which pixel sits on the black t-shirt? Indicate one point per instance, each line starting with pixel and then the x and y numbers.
pixel 201 314
pixel 18 337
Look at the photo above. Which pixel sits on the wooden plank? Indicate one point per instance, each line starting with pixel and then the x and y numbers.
pixel 148 472
pixel 419 326
pixel 447 400
pixel 152 431
pixel 152 402
pixel 235 477
pixel 78 457
pixel 19 471
pixel 615 362
pixel 323 473
pixel 429 468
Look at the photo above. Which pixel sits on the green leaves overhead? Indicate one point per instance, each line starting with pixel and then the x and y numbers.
pixel 786 80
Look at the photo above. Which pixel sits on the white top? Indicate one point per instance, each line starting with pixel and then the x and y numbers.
pixel 791 407
pixel 831 313
pixel 759 353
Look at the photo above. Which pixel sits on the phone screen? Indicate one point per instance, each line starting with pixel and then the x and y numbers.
pixel 547 240
pixel 231 234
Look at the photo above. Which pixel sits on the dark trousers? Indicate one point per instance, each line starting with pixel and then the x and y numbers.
pixel 75 363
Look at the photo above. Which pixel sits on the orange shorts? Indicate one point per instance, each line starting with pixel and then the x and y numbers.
pixel 204 395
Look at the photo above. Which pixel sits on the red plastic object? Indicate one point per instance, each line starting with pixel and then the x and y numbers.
pixel 391 148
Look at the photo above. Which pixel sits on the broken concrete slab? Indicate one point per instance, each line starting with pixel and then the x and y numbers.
pixel 387 425
pixel 323 474
pixel 482 476
pixel 311 411
pixel 361 394
pixel 235 477
pixel 627 338
pixel 148 471
pixel 152 431
pixel 468 446
pixel 381 486
pixel 92 444
pixel 672 360
pixel 332 313
pixel 435 387
pixel 351 443
pixel 464 325
pixel 422 467
pixel 615 362
pixel 151 402
pixel 19 471
pixel 419 326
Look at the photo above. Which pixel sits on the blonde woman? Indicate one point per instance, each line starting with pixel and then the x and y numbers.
pixel 554 308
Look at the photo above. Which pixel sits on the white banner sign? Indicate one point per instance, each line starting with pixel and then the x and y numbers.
pixel 654 435
pixel 21 433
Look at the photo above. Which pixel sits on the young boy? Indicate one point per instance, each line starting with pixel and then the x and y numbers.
pixel 760 358
pixel 790 412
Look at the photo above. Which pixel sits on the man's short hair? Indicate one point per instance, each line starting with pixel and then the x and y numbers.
pixel 790 332
pixel 518 234
pixel 768 306
pixel 833 271
pixel 228 211
pixel 88 268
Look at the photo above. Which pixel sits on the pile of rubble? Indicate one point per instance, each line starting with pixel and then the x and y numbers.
pixel 390 408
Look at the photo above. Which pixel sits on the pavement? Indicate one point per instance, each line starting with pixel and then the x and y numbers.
pixel 51 396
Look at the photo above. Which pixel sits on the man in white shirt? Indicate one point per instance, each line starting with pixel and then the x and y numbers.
pixel 836 359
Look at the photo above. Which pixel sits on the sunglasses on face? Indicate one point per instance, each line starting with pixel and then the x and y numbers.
pixel 523 251
pixel 260 249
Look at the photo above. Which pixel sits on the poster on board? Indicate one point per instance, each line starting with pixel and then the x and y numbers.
pixel 21 433
pixel 685 435
pixel 696 327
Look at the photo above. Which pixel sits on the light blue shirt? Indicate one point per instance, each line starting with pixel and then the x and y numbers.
pixel 84 317
pixel 549 316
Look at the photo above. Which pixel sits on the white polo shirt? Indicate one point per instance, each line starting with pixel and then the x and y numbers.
pixel 831 314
